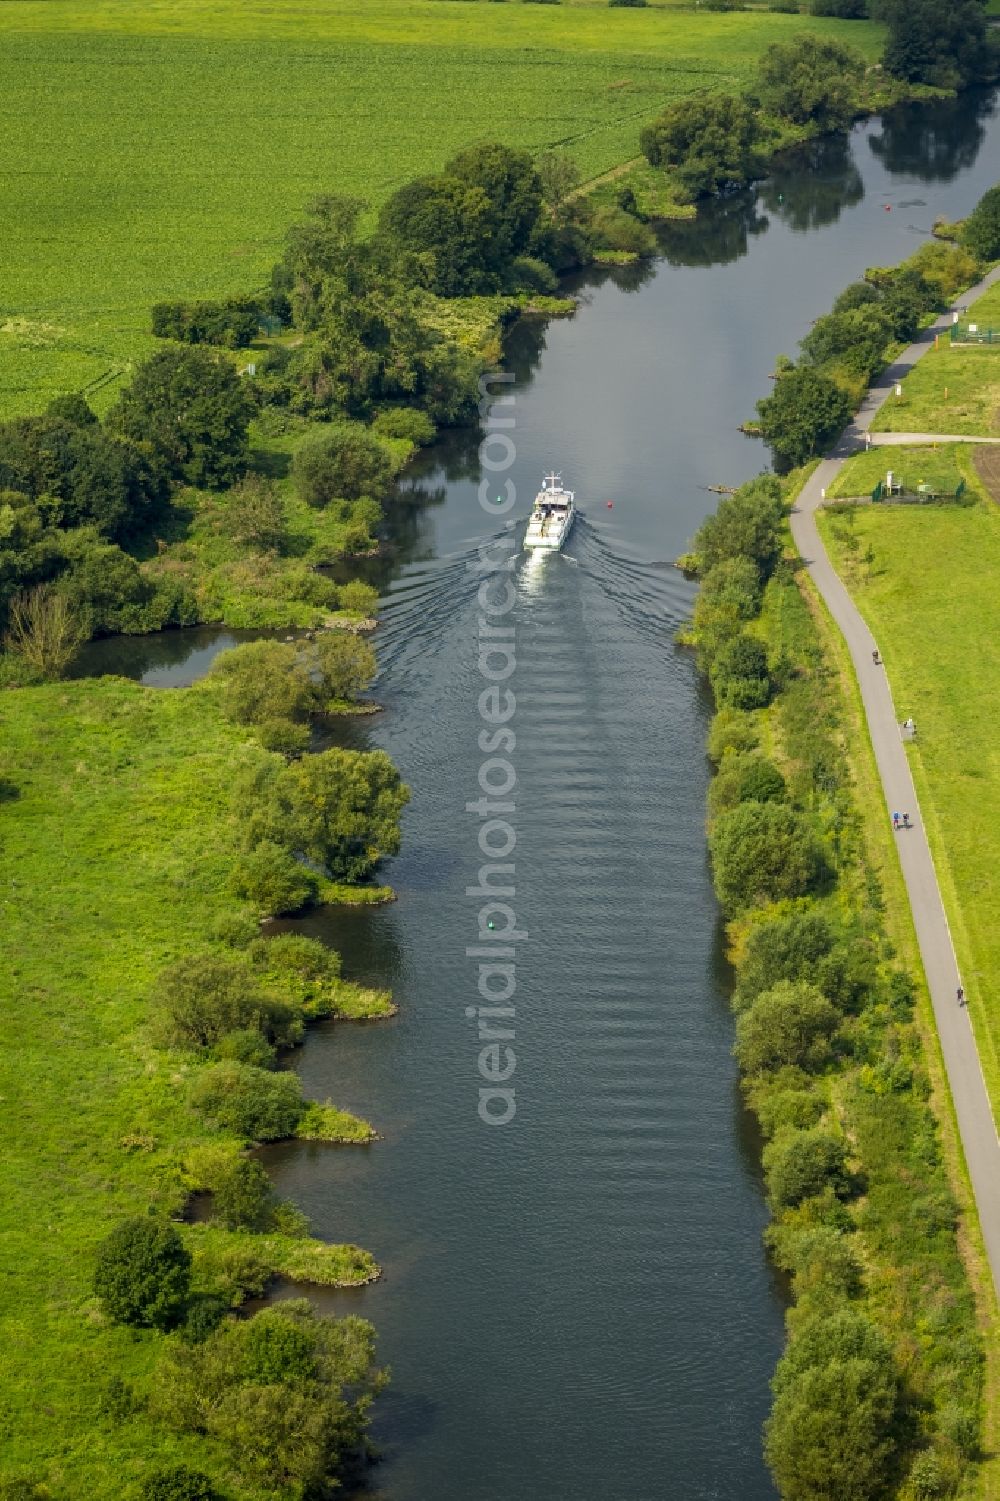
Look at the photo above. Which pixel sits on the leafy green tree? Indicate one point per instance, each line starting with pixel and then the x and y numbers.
pixel 357 597
pixel 178 1483
pixel 262 681
pixel 143 1274
pixel 346 665
pixel 803 416
pixel 338 809
pixel 284 737
pixel 762 852
pixel 189 411
pixel 254 514
pixel 744 779
pixel 405 422
pixel 800 1164
pixel 286 1393
pixel 558 177
pixel 981 231
pixel 940 42
pixel 347 462
pixel 746 526
pixel 513 192
pixel 711 141
pixel 243 1197
pixel 805 946
pixel 85 473
pixel 253 1103
pixel 793 1023
pixel 830 1434
pixel 444 221
pixel 825 1267
pixel 72 408
pixel 811 81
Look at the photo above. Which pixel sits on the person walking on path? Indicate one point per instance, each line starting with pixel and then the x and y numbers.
pixel 961 996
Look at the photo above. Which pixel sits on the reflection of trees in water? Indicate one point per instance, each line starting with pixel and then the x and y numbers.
pixel 809 187
pixel 720 233
pixel 934 141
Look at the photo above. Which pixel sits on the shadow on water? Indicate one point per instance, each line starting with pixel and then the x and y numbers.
pixel 934 142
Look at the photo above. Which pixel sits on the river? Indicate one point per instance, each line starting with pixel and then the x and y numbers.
pixel 577 1305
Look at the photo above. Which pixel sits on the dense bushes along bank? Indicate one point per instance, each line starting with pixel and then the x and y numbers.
pixel 879 1390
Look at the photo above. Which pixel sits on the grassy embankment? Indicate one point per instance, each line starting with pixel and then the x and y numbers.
pixel 954 388
pixel 118 834
pixel 182 139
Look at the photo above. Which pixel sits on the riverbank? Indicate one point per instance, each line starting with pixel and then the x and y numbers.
pixel 119 839
pixel 831 1056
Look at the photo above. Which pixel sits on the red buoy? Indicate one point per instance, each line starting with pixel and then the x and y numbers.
pixel 888 208
pixel 611 505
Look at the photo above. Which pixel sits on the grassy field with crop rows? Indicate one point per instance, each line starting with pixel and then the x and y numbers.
pixel 181 138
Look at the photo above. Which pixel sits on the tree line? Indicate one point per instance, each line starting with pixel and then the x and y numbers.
pixel 878 1389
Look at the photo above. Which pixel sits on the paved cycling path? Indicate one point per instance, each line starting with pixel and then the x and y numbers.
pixel 958 1044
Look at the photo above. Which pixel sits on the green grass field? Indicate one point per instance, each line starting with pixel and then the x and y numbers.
pixel 931 601
pixel 181 138
pixel 942 468
pixel 117 835
pixel 954 388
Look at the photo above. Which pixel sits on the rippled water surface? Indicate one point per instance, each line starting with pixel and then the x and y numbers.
pixel 576 1306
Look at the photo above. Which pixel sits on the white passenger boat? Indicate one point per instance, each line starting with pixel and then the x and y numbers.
pixel 551 517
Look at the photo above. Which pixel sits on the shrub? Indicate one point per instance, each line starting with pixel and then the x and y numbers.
pixel 261 681
pixel 346 665
pixel 712 141
pixel 272 880
pixel 284 737
pixel 776 1109
pixel 236 928
pixel 254 516
pixel 252 1103
pixel 303 971
pixel 205 1313
pixel 202 997
pixel 742 779
pixel 347 462
pixel 613 229
pixel 627 4
pixel 72 408
pixel 405 422
pixel 733 731
pixel 357 598
pixel 45 631
pixel 762 852
pixel 801 1164
pixel 245 1046
pixel 143 1274
pixel 844 10
pixel 739 673
pixel 824 1265
pixel 178 1483
pixel 243 1197
pixel 790 1024
pixel 232 323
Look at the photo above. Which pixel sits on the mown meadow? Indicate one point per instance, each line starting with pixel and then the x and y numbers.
pixel 157 152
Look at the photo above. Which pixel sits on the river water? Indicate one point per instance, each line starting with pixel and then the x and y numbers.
pixel 576 1305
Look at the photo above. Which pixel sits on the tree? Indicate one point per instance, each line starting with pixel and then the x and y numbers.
pixel 787 948
pixel 346 665
pixel 558 176
pixel 812 81
pixel 188 409
pixel 801 1164
pixel 806 412
pixel 829 1436
pixel 254 514
pixel 339 809
pixel 357 597
pixel 45 631
pixel 445 223
pixel 263 681
pixel 940 42
pixel 346 463
pixel 712 141
pixel 513 192
pixel 286 1393
pixel 793 1023
pixel 143 1274
pixel 981 232
pixel 178 1483
pixel 72 408
pixel 746 525
pixel 253 1103
pixel 84 472
pixel 762 852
